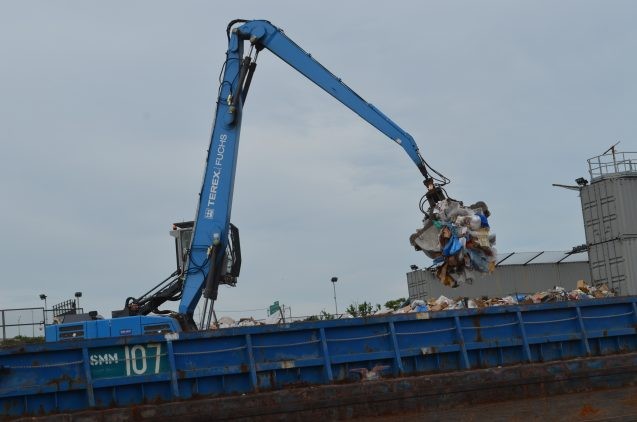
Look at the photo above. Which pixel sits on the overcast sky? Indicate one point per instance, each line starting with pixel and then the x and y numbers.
pixel 106 111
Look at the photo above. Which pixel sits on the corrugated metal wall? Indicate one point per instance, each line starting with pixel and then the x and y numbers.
pixel 506 280
pixel 609 208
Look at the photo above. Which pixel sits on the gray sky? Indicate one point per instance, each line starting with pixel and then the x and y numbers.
pixel 106 110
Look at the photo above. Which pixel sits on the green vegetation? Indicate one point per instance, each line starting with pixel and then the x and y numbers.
pixel 20 340
pixel 321 317
pixel 326 315
pixel 362 309
pixel 396 304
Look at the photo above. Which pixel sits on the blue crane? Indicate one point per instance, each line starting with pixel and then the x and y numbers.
pixel 213 256
pixel 212 224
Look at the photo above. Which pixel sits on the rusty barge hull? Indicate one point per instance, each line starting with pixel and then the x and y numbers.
pixel 586 388
pixel 468 356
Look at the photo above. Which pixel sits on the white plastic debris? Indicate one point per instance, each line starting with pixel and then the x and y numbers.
pixel 226 322
pixel 459 240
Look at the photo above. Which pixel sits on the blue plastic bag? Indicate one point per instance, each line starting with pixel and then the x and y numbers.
pixel 452 247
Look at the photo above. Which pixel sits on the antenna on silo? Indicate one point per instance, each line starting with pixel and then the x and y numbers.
pixel 612 149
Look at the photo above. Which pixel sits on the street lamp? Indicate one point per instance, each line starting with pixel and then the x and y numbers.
pixel 334 280
pixel 78 295
pixel 43 297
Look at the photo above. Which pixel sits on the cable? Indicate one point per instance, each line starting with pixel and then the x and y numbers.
pixel 221 81
pixel 231 24
pixel 443 181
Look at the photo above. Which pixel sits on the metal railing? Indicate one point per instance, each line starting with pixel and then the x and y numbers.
pixel 22 322
pixel 616 162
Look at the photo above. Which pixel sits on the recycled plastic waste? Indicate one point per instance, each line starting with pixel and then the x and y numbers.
pixel 227 322
pixel 459 241
pixel 556 294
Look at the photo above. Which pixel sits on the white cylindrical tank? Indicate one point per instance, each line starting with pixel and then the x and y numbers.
pixel 609 209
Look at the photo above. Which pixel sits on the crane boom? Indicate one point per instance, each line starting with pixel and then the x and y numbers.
pixel 265 35
pixel 213 256
pixel 207 267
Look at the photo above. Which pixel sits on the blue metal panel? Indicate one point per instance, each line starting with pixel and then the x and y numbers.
pixel 52 377
pixel 116 327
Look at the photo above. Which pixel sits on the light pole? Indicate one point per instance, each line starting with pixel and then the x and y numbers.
pixel 334 280
pixel 78 295
pixel 43 297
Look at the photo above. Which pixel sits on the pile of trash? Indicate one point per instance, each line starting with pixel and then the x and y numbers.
pixel 227 322
pixel 459 241
pixel 556 294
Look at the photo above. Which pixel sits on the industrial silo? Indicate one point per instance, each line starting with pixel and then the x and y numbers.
pixel 609 208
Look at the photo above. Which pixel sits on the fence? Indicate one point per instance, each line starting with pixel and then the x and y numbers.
pixel 617 162
pixel 27 322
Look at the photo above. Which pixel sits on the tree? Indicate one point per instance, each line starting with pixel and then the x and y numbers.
pixel 363 309
pixel 326 315
pixel 396 304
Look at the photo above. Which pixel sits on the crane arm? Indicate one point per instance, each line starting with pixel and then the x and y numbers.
pixel 263 34
pixel 209 263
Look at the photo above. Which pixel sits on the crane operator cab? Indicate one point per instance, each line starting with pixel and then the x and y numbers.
pixel 182 232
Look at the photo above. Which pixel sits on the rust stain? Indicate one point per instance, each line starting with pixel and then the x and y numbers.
pixel 62 379
pixel 136 413
pixel 631 401
pixel 588 410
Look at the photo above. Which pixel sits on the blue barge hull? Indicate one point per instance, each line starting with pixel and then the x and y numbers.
pixel 92 374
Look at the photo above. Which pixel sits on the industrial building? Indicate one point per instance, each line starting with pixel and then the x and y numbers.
pixel 525 272
pixel 608 205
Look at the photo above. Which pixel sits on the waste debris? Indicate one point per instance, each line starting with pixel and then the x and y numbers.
pixel 227 322
pixel 370 374
pixel 556 294
pixel 459 241
pixel 443 303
